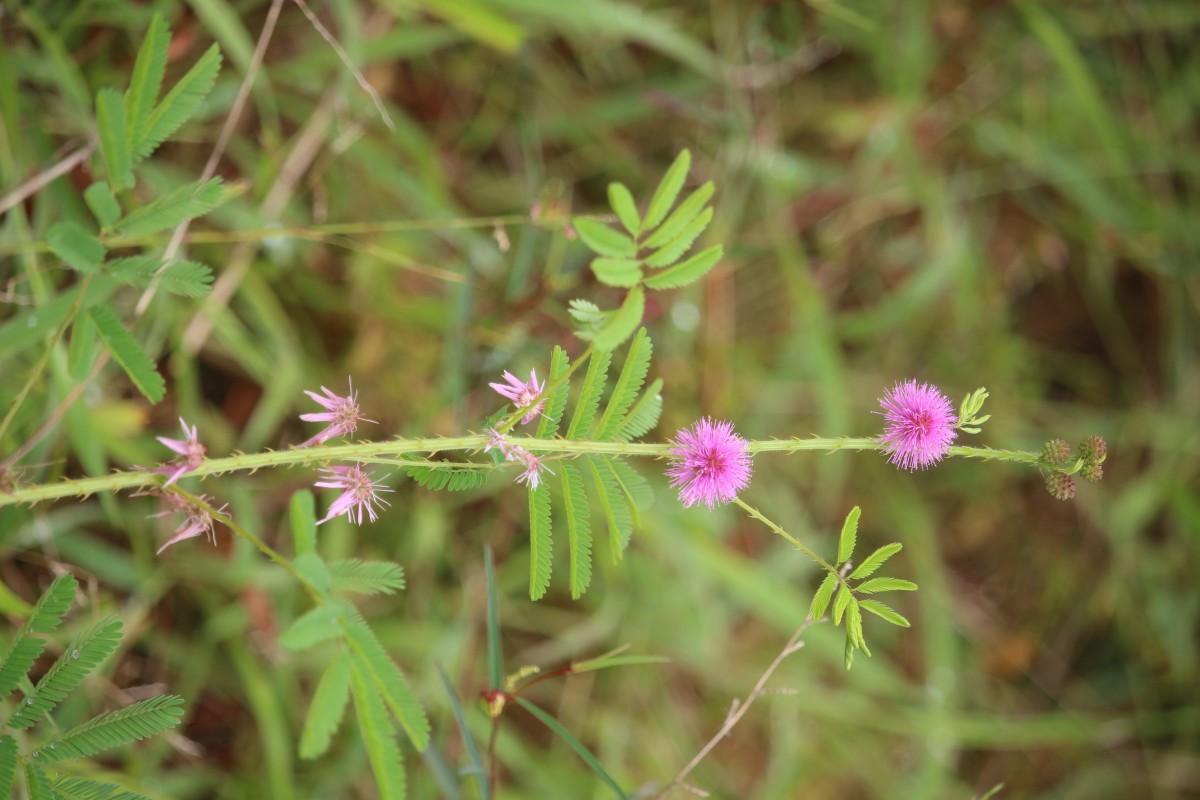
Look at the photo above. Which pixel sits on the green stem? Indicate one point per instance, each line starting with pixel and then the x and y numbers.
pixel 262 546
pixel 758 515
pixel 368 451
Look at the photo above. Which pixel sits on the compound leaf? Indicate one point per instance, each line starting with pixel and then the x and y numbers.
pixel 128 353
pixel 180 103
pixel 667 191
pixel 327 708
pixel 378 735
pixel 138 721
pixel 629 382
pixel 579 529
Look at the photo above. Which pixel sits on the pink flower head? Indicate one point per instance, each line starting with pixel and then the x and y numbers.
pixel 523 395
pixel 196 521
pixel 920 427
pixel 191 450
pixel 497 440
pixel 341 413
pixel 709 463
pixel 532 476
pixel 359 493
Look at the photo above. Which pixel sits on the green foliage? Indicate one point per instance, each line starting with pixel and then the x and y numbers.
pixel 25 647
pixel 8 764
pixel 179 105
pixel 180 277
pixel 556 394
pixel 183 203
pixel 589 397
pixel 78 249
pixel 114 139
pixel 842 590
pixel 541 542
pixel 969 420
pixel 83 654
pixel 447 478
pixel 102 203
pixel 141 720
pixel 327 708
pixel 128 353
pixel 383 674
pixel 579 530
pixel 622 259
pixel 378 735
pixel 367 577
pixel 322 623
pixel 69 787
pixel 572 742
pixel 629 383
pixel 147 79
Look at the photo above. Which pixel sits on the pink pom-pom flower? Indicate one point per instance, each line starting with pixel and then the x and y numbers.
pixel 710 464
pixel 920 425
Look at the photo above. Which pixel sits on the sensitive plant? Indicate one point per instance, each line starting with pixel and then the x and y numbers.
pixel 585 456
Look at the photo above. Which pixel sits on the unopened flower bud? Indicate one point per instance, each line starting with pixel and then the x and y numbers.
pixel 1061 487
pixel 1056 451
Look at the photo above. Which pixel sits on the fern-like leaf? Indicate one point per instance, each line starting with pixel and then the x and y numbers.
pixel 589 396
pixel 327 708
pixel 25 647
pixel 620 324
pixel 180 103
pixel 689 271
pixel 629 382
pixel 556 400
pixel 103 204
pixel 667 191
pixel 114 139
pixel 128 353
pixel 448 478
pixel 37 782
pixel 634 485
pixel 680 217
pixel 579 529
pixel 316 625
pixel 541 542
pixel 184 203
pixel 183 278
pixel 876 560
pixel 388 680
pixel 615 505
pixel 141 720
pixel 147 80
pixel 645 414
pixel 367 577
pixel 77 248
pixel 378 735
pixel 849 537
pixel 70 787
pixel 82 655
pixel 673 250
pixel 820 601
pixel 8 764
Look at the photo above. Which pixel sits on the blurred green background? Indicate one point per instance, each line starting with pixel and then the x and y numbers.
pixel 970 193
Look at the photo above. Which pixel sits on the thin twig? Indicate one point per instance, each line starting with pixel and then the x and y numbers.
pixel 34 184
pixel 739 709
pixel 345 57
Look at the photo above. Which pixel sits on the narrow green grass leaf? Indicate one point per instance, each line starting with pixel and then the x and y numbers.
pixel 688 271
pixel 302 514
pixel 884 612
pixel 383 751
pixel 579 529
pixel 8 764
pixel 495 655
pixel 875 561
pixel 327 708
pixel 621 200
pixel 680 217
pixel 141 720
pixel 24 648
pixel 673 250
pixel 388 680
pixel 629 382
pixel 476 770
pixel 622 272
pixel 610 662
pixel 541 543
pixel 820 602
pixel 645 414
pixel 622 323
pixel 102 203
pixel 589 759
pixel 877 585
pixel 128 353
pixel 85 652
pixel 615 505
pixel 366 577
pixel 180 103
pixel 589 396
pixel 667 191
pixel 77 248
pixel 556 399
pixel 849 537
pixel 602 239
pixel 146 81
pixel 185 202
pixel 114 139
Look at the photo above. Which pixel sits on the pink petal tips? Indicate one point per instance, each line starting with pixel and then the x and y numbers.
pixel 191 450
pixel 523 395
pixel 196 521
pixel 710 464
pixel 341 413
pixel 359 494
pixel 920 428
